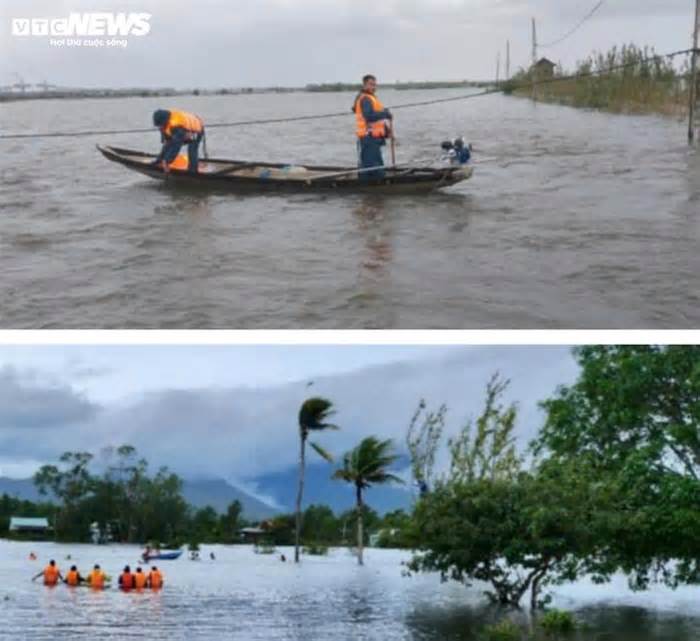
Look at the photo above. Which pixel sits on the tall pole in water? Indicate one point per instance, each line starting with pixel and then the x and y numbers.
pixel 498 66
pixel 693 88
pixel 507 59
pixel 533 71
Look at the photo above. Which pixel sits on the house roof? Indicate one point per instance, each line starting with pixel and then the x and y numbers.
pixel 17 522
pixel 252 530
pixel 546 61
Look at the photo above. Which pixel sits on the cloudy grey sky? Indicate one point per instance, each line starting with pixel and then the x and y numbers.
pixel 213 43
pixel 231 411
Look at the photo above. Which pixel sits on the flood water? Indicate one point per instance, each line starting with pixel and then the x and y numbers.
pixel 242 595
pixel 573 219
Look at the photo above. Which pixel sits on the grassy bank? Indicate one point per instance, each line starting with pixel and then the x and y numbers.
pixel 623 80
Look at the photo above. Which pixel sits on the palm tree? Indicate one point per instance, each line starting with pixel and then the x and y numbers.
pixel 365 466
pixel 313 415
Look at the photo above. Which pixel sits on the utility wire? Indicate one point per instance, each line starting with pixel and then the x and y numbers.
pixel 572 31
pixel 338 114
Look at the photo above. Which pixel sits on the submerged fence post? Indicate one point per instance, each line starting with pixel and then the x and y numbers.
pixel 693 88
pixel 533 71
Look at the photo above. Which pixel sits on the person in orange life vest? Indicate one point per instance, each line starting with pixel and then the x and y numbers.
pixel 178 128
pixel 73 577
pixel 371 128
pixel 140 579
pixel 126 579
pixel 51 574
pixel 155 579
pixel 96 579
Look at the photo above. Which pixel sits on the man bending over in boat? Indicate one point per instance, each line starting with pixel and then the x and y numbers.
pixel 372 129
pixel 178 128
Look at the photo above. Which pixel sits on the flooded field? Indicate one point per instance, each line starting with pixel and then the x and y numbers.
pixel 242 595
pixel 573 220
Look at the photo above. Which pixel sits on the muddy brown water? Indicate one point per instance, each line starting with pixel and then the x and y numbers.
pixel 573 219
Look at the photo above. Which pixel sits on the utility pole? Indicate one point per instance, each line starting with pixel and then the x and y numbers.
pixel 533 71
pixel 507 59
pixel 693 88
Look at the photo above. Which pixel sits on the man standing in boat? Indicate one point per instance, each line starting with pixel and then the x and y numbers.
pixel 178 128
pixel 372 128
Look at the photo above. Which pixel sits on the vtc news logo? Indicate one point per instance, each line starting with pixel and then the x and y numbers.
pixel 84 24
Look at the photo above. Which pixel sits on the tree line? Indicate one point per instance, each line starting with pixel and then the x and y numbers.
pixel 129 504
pixel 609 484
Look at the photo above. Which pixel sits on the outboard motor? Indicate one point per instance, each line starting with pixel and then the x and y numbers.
pixel 457 152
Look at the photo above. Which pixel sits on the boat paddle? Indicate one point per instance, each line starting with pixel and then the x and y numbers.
pixel 393 144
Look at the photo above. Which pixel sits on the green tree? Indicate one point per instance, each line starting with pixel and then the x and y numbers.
pixel 634 414
pixel 231 522
pixel 313 416
pixel 319 525
pixel 489 451
pixel 489 520
pixel 205 525
pixel 364 466
pixel 72 483
pixel 422 440
pixel 518 534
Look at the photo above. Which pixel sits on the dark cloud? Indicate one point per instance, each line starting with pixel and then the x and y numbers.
pixel 240 433
pixel 28 402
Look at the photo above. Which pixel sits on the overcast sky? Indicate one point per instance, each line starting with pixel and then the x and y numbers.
pixel 213 43
pixel 230 412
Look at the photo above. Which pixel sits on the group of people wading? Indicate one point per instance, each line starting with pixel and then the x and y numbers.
pixel 98 580
pixel 373 128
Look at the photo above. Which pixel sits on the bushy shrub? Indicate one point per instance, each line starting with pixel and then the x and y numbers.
pixel 556 622
pixel 502 631
pixel 315 549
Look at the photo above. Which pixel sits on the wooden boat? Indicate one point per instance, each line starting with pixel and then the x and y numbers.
pixel 245 176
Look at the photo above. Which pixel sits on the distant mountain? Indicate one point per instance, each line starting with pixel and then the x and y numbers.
pixel 199 493
pixel 220 494
pixel 319 488
pixel 23 489
pixel 280 486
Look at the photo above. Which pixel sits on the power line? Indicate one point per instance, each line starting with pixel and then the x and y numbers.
pixel 406 105
pixel 571 32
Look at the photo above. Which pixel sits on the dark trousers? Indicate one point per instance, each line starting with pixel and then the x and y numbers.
pixel 371 156
pixel 193 153
pixel 173 146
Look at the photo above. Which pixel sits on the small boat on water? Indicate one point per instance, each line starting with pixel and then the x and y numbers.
pixel 247 176
pixel 161 556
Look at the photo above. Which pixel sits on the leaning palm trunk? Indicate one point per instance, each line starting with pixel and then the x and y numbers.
pixel 300 494
pixel 360 534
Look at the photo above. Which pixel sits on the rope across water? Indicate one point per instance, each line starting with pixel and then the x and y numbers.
pixel 339 114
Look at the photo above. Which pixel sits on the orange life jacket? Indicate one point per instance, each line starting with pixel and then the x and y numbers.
pixel 50 575
pixel 127 581
pixel 376 129
pixel 191 123
pixel 139 580
pixel 156 579
pixel 72 578
pixel 181 162
pixel 96 579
